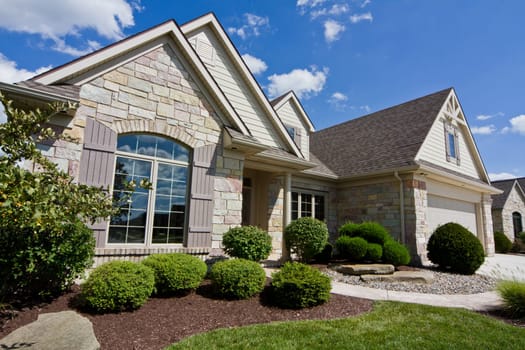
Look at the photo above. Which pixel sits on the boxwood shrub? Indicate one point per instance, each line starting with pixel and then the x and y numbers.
pixel 247 242
pixel 325 255
pixel 118 286
pixel 298 286
pixel 374 252
pixel 176 273
pixel 502 243
pixel 349 228
pixel 371 231
pixel 352 248
pixel 453 247
pixel 306 237
pixel 237 278
pixel 395 253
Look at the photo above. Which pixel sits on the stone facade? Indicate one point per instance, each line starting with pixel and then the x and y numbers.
pixel 276 214
pixel 502 218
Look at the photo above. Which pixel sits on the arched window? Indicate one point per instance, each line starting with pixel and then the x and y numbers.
pixel 517 223
pixel 156 216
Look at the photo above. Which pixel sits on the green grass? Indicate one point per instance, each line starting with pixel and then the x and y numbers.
pixel 390 325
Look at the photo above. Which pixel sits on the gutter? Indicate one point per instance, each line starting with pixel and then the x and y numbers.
pixel 401 206
pixel 33 93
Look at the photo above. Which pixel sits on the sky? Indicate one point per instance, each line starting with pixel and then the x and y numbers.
pixel 343 58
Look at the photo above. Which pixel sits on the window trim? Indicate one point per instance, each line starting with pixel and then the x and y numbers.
pixel 151 196
pixel 314 194
pixel 451 134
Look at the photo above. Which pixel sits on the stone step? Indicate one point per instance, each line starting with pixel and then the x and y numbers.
pixel 402 276
pixel 364 269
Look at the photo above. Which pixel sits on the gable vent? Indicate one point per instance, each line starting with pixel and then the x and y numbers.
pixel 206 52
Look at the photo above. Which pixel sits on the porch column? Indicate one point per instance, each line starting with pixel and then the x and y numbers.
pixel 287 212
pixel 486 214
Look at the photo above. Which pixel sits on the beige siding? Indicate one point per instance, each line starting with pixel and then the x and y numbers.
pixel 291 117
pixel 434 150
pixel 234 87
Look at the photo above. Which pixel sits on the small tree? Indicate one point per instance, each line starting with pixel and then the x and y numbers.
pixel 44 243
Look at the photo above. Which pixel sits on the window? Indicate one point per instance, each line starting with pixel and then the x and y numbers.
pixel 517 223
pixel 307 204
pixel 452 143
pixel 157 216
pixel 291 131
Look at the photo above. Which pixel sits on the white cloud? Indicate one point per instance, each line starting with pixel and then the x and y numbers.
pixel 304 82
pixel 501 176
pixel 56 19
pixel 365 3
pixel 338 101
pixel 365 108
pixel 252 26
pixel 10 73
pixel 483 130
pixel 361 17
pixel 335 10
pixel 517 125
pixel 309 3
pixel 256 65
pixel 489 116
pixel 338 97
pixel 332 30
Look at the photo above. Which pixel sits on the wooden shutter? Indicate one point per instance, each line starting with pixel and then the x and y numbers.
pixel 97 163
pixel 297 137
pixel 201 197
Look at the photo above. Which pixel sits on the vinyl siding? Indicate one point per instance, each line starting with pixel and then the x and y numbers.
pixel 235 88
pixel 291 117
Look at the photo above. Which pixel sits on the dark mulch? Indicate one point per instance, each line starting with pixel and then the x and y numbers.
pixel 163 321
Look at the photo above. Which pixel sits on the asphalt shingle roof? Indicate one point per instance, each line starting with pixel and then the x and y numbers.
pixel 498 201
pixel 383 140
pixel 64 90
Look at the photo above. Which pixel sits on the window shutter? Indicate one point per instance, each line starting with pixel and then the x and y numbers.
pixel 456 144
pixel 297 137
pixel 201 198
pixel 96 164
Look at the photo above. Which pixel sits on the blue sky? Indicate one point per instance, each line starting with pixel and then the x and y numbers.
pixel 343 58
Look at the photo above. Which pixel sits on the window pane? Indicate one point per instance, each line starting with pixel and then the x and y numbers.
pixel 306 204
pixel 165 171
pixel 177 220
pixel 147 145
pixel 452 145
pixel 117 235
pixel 295 205
pixel 160 235
pixel 164 148
pixel 139 201
pixel 136 235
pixel 164 187
pixel 319 207
pixel 180 153
pixel 120 219
pixel 127 143
pixel 137 218
pixel 175 236
pixel 161 218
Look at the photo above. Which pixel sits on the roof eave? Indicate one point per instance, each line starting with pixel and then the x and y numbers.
pixel 24 91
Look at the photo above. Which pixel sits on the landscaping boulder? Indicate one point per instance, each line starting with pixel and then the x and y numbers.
pixel 402 276
pixel 365 269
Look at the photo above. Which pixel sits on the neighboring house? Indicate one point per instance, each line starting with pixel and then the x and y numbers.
pixel 178 106
pixel 508 208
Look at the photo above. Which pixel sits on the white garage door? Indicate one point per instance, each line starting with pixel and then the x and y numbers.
pixel 442 210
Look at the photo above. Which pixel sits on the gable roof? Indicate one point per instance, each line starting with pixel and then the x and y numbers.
pixel 212 22
pixel 99 62
pixel 290 96
pixel 498 201
pixel 385 140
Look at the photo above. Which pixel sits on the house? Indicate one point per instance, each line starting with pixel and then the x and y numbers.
pixel 508 208
pixel 178 106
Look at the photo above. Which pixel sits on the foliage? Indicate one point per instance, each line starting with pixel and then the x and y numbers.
pixel 521 237
pixel 371 231
pixel 298 286
pixel 502 243
pixel 349 228
pixel 41 210
pixel 513 295
pixel 237 278
pixel 389 326
pixel 453 247
pixel 306 237
pixel 247 242
pixel 374 252
pixel 353 248
pixel 118 286
pixel 176 272
pixel 395 253
pixel 325 255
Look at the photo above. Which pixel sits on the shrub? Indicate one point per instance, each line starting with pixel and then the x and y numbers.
pixel 298 285
pixel 502 243
pixel 306 237
pixel 349 228
pixel 237 278
pixel 513 295
pixel 372 232
pixel 521 237
pixel 43 263
pixel 374 252
pixel 247 242
pixel 325 255
pixel 176 272
pixel 453 247
pixel 353 248
pixel 395 253
pixel 117 286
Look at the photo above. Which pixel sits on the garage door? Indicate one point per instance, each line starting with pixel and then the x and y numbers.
pixel 442 210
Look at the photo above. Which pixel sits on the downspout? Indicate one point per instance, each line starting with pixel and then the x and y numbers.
pixel 401 206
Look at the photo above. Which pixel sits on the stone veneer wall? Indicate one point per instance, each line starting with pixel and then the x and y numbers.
pixel 503 223
pixel 416 228
pixel 276 214
pixel 154 93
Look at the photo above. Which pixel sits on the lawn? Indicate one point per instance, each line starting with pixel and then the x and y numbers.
pixel 391 325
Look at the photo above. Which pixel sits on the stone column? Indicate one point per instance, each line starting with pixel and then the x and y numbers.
pixel 486 218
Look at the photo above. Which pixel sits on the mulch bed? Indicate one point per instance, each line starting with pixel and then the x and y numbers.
pixel 163 321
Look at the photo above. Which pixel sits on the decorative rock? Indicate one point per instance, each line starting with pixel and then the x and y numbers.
pixel 365 269
pixel 402 276
pixel 64 330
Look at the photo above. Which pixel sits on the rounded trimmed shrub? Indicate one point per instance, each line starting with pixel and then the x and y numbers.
pixel 374 252
pixel 395 253
pixel 353 248
pixel 349 228
pixel 453 247
pixel 502 243
pixel 521 237
pixel 247 242
pixel 298 285
pixel 325 255
pixel 371 231
pixel 237 278
pixel 306 237
pixel 176 272
pixel 118 286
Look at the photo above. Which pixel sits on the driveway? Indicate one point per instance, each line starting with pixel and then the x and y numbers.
pixel 504 266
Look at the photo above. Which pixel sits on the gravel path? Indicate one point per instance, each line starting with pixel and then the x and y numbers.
pixel 444 283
